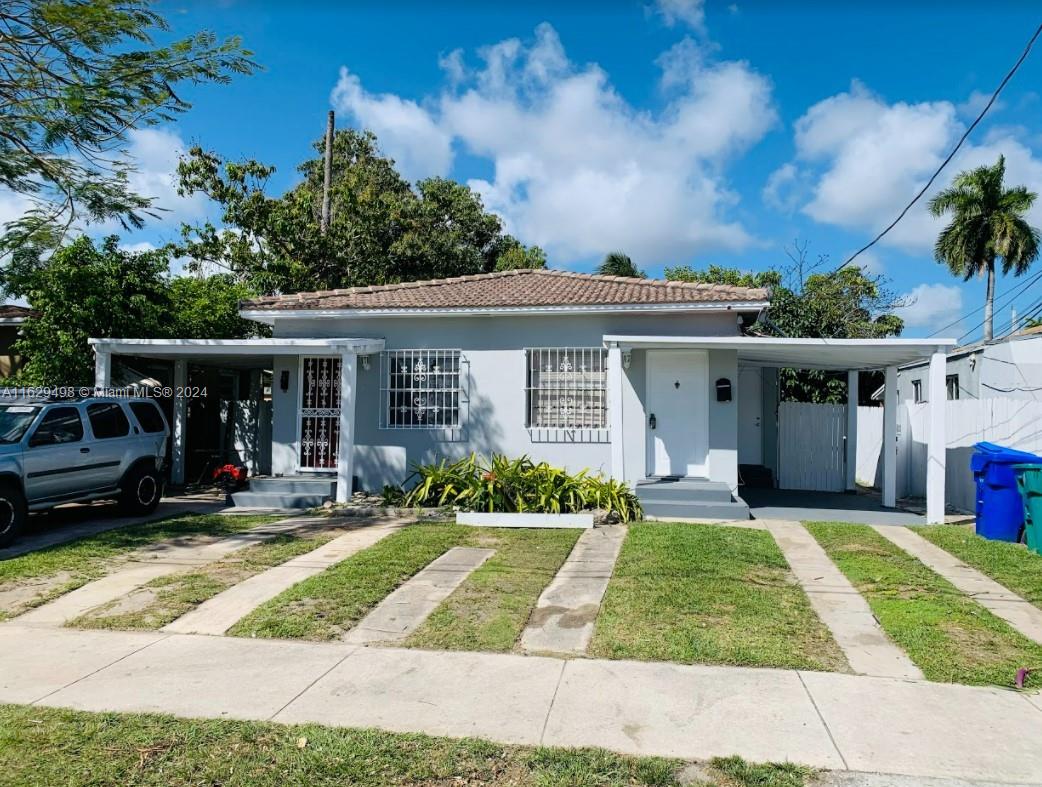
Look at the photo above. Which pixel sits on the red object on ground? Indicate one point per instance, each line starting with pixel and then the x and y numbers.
pixel 230 475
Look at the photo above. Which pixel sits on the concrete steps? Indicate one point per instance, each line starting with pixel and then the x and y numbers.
pixel 286 492
pixel 689 498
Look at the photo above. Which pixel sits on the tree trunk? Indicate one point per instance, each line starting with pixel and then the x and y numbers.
pixel 989 303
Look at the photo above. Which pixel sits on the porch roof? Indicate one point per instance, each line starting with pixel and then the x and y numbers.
pixel 803 353
pixel 228 349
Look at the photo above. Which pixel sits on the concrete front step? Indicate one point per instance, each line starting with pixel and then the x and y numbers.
pixel 295 485
pixel 694 509
pixel 682 490
pixel 279 500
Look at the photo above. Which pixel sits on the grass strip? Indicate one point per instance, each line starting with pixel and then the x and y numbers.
pixel 32 579
pixel 711 595
pixel 1013 566
pixel 949 636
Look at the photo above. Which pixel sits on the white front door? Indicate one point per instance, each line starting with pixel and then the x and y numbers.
pixel 750 415
pixel 677 408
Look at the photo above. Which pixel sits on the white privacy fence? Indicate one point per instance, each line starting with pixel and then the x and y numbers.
pixel 811 446
pixel 1014 423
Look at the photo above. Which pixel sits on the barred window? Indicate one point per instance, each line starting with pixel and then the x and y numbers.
pixel 567 388
pixel 421 389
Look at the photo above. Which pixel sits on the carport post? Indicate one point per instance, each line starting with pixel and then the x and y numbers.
pixel 346 445
pixel 889 448
pixel 852 398
pixel 177 453
pixel 102 368
pixel 936 441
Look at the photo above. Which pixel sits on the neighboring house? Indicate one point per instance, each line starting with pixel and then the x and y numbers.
pixel 11 319
pixel 1010 367
pixel 629 377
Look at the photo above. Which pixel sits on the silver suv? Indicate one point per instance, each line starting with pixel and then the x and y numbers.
pixel 54 452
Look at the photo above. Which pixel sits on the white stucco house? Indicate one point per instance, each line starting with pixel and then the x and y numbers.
pixel 640 379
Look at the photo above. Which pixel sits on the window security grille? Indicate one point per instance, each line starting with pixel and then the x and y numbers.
pixel 420 389
pixel 567 388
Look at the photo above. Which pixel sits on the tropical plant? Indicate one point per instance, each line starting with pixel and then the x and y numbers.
pixel 618 264
pixel 987 224
pixel 520 485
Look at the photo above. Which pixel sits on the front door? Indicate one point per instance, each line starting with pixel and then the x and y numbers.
pixel 750 415
pixel 319 412
pixel 677 407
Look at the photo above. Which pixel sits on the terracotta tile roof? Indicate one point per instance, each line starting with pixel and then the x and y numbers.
pixel 10 311
pixel 512 289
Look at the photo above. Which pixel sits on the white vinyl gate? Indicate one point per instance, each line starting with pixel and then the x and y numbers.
pixel 811 446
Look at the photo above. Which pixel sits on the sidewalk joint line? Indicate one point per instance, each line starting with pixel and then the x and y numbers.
pixel 553 699
pixel 298 695
pixel 817 710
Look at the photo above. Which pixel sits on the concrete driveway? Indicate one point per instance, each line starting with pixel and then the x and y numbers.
pixel 76 520
pixel 800 506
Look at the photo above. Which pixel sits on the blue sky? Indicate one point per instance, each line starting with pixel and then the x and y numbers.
pixel 677 132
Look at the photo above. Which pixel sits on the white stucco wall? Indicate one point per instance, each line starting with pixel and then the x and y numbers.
pixel 494 364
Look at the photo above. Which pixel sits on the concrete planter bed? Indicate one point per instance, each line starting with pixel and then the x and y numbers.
pixel 481 519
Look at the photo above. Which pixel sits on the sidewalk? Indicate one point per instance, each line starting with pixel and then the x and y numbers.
pixel 825 720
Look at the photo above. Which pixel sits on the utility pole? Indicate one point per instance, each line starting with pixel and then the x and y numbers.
pixel 324 221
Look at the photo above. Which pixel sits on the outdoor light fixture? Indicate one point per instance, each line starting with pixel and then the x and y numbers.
pixel 284 380
pixel 365 361
pixel 626 357
pixel 723 390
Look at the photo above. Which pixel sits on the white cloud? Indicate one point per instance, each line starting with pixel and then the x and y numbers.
pixel 576 168
pixel 683 12
pixel 931 307
pixel 404 128
pixel 779 191
pixel 866 159
pixel 975 102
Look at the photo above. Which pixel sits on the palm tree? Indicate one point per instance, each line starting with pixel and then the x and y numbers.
pixel 987 223
pixel 619 264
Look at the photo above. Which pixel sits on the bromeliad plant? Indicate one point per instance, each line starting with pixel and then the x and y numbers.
pixel 512 486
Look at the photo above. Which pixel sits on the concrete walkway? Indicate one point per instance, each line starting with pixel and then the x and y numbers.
pixel 693 712
pixel 404 610
pixel 1024 617
pixel 144 565
pixel 846 613
pixel 564 616
pixel 224 610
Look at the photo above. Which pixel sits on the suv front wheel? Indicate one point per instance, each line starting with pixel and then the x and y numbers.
pixel 13 513
pixel 141 489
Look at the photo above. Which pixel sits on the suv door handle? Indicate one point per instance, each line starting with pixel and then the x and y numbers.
pixel 84 450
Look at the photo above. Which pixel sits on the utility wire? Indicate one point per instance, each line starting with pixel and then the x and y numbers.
pixel 1006 298
pixel 933 177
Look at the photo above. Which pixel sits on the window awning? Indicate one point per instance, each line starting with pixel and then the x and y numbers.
pixel 778 352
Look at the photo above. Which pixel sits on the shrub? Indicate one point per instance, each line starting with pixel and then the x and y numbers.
pixel 512 486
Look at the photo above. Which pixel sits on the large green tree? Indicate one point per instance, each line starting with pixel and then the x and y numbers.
pixel 987 225
pixel 86 289
pixel 75 77
pixel 849 304
pixel 617 263
pixel 382 230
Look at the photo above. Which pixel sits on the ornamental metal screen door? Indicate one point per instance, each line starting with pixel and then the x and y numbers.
pixel 319 412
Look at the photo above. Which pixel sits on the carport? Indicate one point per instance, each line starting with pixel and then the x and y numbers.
pixel 838 355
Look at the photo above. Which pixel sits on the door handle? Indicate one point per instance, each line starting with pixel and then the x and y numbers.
pixel 84 450
pixel 652 421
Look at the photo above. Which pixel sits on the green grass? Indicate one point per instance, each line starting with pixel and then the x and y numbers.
pixel 490 609
pixel 41 746
pixel 713 595
pixel 487 612
pixel 1012 565
pixel 64 567
pixel 949 636
pixel 167 598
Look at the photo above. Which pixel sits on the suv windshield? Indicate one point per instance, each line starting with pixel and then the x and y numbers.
pixel 14 420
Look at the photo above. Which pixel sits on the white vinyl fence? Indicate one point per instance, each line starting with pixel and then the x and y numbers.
pixel 811 446
pixel 1014 423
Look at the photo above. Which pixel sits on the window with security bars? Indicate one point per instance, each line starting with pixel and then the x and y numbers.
pixel 421 389
pixel 567 388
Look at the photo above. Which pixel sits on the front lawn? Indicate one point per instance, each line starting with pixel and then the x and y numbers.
pixel 1012 565
pixel 712 595
pixel 949 636
pixel 487 612
pixel 29 580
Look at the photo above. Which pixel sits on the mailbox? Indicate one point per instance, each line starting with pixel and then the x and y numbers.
pixel 723 390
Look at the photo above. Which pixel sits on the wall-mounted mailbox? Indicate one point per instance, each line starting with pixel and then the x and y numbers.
pixel 723 390
pixel 284 380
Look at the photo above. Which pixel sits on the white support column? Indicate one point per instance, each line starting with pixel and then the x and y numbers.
pixel 936 440
pixel 889 449
pixel 180 430
pixel 618 455
pixel 852 397
pixel 345 465
pixel 102 369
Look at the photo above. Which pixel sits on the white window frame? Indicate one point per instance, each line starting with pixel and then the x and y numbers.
pixel 582 392
pixel 952 390
pixel 434 387
pixel 917 392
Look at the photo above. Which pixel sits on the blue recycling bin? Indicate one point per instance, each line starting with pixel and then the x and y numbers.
pixel 1000 510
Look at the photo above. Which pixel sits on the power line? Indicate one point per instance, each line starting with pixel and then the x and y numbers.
pixel 1006 297
pixel 933 177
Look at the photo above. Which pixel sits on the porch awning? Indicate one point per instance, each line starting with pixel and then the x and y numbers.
pixel 231 349
pixel 833 354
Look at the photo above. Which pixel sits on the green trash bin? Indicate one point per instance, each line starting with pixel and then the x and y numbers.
pixel 1029 482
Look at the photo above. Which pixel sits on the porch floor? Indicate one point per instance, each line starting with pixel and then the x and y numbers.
pixel 805 506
